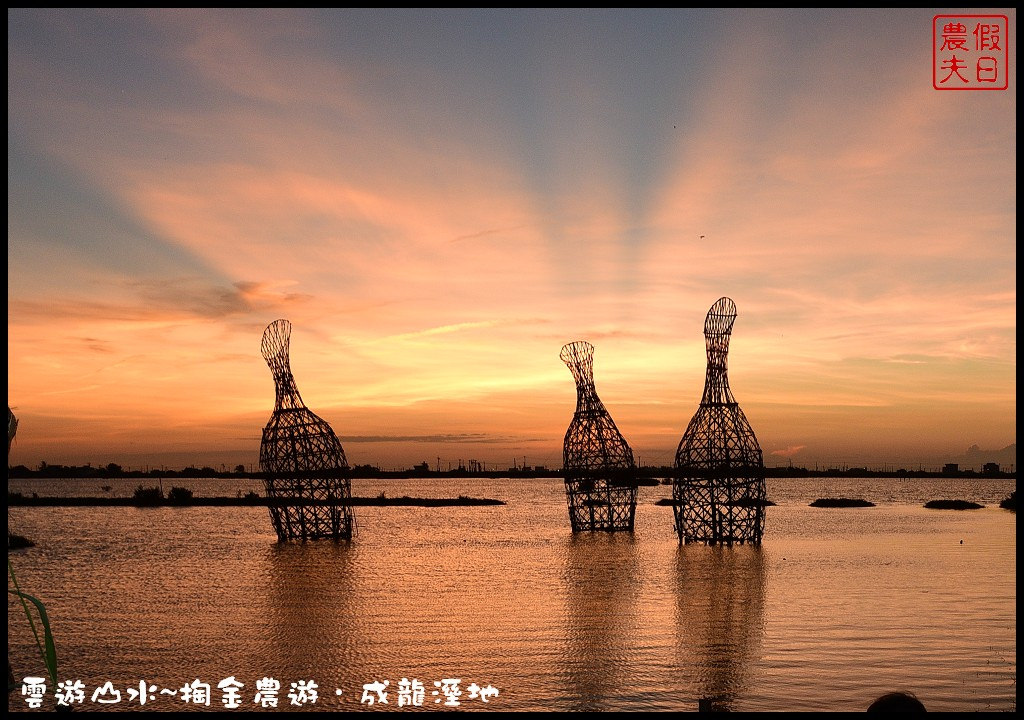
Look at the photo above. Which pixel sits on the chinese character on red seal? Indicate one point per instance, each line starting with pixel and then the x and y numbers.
pixel 970 52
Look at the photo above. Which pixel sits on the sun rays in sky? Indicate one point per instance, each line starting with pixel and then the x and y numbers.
pixel 439 200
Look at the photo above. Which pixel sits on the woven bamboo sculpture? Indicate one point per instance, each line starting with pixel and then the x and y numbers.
pixel 301 457
pixel 718 490
pixel 600 476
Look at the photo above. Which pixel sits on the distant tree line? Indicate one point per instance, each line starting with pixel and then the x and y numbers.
pixel 113 470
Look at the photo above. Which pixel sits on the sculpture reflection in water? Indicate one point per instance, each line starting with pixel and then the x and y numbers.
pixel 604 619
pixel 309 601
pixel 719 619
pixel 600 475
pixel 301 458
pixel 718 492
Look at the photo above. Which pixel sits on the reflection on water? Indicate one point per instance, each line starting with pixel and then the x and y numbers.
pixel 311 619
pixel 719 618
pixel 837 607
pixel 600 581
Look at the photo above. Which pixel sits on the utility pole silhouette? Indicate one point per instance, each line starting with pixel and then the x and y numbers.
pixel 301 457
pixel 718 492
pixel 600 475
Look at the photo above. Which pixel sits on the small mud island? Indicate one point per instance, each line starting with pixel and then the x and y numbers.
pixel 841 503
pixel 952 505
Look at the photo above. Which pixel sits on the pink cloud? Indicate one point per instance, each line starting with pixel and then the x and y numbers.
pixel 788 452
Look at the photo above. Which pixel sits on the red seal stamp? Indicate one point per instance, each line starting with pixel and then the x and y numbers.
pixel 970 52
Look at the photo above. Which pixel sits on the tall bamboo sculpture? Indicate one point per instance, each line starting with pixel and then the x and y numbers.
pixel 600 476
pixel 718 491
pixel 301 458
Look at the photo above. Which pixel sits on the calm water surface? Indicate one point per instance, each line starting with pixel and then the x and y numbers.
pixel 836 608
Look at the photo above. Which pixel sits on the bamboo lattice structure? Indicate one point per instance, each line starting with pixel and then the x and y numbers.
pixel 600 476
pixel 301 457
pixel 718 491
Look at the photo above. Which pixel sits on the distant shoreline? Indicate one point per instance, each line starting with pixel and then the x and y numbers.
pixel 23 501
pixel 88 472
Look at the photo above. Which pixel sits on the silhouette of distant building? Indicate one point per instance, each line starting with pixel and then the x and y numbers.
pixel 951 468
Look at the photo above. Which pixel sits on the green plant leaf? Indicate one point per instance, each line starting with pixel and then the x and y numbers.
pixel 50 652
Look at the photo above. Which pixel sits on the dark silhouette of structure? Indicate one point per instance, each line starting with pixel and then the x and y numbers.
pixel 301 457
pixel 600 475
pixel 718 491
pixel 12 430
pixel 897 703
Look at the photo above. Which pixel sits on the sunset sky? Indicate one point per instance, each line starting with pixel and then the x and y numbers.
pixel 439 200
